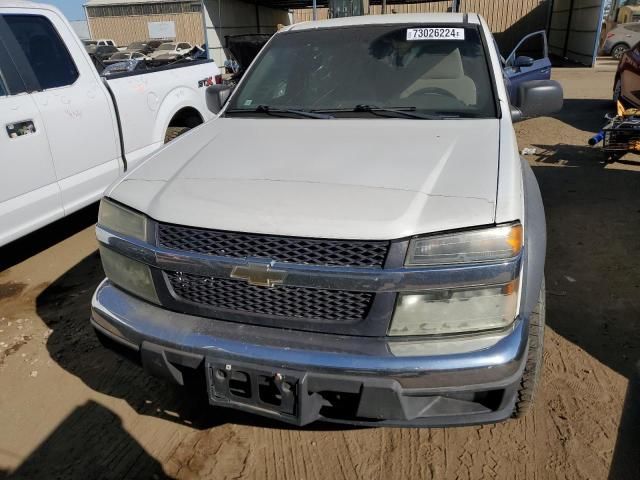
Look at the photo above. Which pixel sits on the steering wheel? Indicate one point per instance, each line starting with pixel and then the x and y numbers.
pixel 434 91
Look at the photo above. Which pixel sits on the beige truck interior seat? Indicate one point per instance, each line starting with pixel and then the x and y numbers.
pixel 448 74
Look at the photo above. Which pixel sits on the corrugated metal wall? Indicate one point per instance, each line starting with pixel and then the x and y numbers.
pixel 574 30
pixel 125 30
pixel 231 17
pixel 305 14
pixel 510 20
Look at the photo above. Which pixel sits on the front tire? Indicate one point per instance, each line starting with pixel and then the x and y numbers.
pixel 533 367
pixel 174 132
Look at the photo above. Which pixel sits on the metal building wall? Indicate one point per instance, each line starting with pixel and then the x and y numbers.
pixel 233 17
pixel 510 20
pixel 125 30
pixel 575 29
pixel 306 14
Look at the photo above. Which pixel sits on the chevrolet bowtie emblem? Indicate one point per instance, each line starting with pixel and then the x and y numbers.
pixel 259 274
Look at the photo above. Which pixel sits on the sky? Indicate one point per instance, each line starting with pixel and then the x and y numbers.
pixel 72 9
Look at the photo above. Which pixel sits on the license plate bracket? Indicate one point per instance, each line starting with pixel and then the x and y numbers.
pixel 253 387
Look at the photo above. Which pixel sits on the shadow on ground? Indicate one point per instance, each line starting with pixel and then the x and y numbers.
pixel 585 114
pixel 46 237
pixel 114 454
pixel 65 307
pixel 593 271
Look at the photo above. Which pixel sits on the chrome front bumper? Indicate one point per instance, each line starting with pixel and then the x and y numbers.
pixel 443 372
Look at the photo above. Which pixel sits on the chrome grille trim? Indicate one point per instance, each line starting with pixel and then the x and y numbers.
pixel 357 279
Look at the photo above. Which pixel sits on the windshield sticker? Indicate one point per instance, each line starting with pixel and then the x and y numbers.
pixel 439 33
pixel 248 102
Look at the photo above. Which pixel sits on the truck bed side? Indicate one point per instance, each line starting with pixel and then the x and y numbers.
pixel 148 103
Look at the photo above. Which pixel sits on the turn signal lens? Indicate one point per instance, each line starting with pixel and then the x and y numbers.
pixel 486 245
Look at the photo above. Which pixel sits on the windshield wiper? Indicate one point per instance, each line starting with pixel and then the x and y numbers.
pixel 281 112
pixel 391 112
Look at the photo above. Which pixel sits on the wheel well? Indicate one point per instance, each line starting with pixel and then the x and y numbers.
pixel 186 117
pixel 625 44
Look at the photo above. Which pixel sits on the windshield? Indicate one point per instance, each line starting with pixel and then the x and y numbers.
pixel 136 46
pixel 376 67
pixel 167 46
pixel 118 56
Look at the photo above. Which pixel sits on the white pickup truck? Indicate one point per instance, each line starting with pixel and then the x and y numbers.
pixel 66 132
pixel 372 253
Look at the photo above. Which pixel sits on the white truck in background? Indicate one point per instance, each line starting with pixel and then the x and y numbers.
pixel 66 132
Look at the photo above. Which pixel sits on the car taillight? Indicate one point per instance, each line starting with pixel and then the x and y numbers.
pixel 218 79
pixel 609 35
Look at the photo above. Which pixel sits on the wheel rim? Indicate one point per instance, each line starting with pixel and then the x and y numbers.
pixel 618 51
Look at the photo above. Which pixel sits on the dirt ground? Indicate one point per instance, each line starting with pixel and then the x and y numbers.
pixel 71 409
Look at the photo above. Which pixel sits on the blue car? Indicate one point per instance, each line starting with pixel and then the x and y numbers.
pixel 528 61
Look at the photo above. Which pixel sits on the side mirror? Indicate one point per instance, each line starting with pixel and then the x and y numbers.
pixel 217 95
pixel 523 62
pixel 537 98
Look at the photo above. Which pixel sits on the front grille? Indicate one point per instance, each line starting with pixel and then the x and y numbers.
pixel 310 251
pixel 281 301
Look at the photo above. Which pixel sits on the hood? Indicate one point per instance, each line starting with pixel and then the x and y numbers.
pixel 348 178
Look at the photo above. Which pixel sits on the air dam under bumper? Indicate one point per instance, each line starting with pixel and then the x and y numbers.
pixel 300 377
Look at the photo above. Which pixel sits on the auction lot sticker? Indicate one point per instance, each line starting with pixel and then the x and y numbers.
pixel 435 33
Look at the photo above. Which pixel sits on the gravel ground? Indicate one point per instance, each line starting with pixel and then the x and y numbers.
pixel 71 409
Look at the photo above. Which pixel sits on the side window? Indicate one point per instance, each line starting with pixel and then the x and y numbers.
pixel 44 50
pixel 183 45
pixel 532 47
pixel 109 42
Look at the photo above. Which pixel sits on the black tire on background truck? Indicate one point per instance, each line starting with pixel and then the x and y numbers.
pixel 533 367
pixel 173 133
pixel 618 50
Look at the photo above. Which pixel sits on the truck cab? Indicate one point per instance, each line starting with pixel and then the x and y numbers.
pixel 373 251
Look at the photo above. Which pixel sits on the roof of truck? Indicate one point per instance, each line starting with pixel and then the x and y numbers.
pixel 95 3
pixel 402 18
pixel 22 4
pixel 26 4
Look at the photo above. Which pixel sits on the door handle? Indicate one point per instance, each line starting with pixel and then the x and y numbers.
pixel 19 129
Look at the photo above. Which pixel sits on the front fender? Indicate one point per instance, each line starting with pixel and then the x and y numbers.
pixel 535 241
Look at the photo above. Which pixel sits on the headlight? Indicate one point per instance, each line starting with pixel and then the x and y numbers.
pixel 122 220
pixel 128 274
pixel 486 245
pixel 439 312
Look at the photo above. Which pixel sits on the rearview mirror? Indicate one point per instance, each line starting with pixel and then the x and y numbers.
pixel 217 96
pixel 523 62
pixel 537 98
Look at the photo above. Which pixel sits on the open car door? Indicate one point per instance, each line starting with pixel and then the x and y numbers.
pixel 528 61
